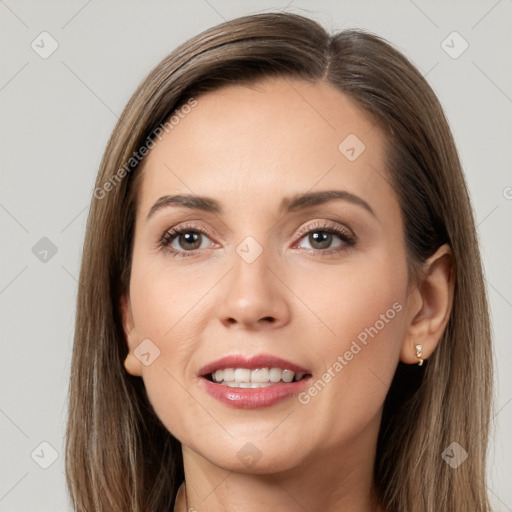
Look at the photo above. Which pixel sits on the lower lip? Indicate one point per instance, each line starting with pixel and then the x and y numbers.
pixel 254 398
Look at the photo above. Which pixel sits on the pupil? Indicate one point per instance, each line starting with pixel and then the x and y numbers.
pixel 322 238
pixel 190 238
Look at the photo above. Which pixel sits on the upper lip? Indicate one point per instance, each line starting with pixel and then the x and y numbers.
pixel 251 363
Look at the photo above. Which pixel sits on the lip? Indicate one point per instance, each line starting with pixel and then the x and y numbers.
pixel 247 398
pixel 253 398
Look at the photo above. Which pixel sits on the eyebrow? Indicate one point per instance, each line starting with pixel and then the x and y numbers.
pixel 288 204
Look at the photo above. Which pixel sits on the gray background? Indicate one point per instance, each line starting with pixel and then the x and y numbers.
pixel 57 114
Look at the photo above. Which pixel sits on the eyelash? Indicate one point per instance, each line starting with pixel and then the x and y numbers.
pixel 346 236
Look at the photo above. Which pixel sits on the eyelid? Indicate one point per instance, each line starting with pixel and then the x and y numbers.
pixel 325 225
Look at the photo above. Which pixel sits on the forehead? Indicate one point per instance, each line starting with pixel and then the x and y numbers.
pixel 266 141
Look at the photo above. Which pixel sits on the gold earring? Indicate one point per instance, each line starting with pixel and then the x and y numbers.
pixel 418 354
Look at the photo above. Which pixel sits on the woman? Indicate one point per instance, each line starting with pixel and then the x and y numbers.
pixel 281 302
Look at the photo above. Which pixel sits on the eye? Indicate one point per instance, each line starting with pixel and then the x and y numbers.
pixel 185 239
pixel 321 236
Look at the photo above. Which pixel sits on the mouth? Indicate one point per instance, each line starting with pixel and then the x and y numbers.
pixel 255 381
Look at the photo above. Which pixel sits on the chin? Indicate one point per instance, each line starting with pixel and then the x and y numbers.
pixel 254 455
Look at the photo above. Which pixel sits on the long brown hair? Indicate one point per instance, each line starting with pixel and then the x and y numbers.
pixel 119 456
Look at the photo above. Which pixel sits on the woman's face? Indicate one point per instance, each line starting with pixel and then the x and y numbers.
pixel 274 282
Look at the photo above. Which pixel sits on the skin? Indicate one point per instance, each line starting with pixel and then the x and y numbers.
pixel 266 142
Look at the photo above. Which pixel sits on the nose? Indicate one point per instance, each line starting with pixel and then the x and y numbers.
pixel 253 295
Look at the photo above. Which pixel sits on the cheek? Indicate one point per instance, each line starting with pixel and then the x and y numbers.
pixel 168 307
pixel 357 331
pixel 160 297
pixel 361 300
pixel 169 300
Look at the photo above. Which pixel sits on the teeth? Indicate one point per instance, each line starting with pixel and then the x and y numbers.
pixel 260 375
pixel 275 374
pixel 242 375
pixel 288 375
pixel 229 375
pixel 252 385
pixel 258 378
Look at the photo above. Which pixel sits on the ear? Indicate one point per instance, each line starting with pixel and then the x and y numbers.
pixel 132 365
pixel 429 305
